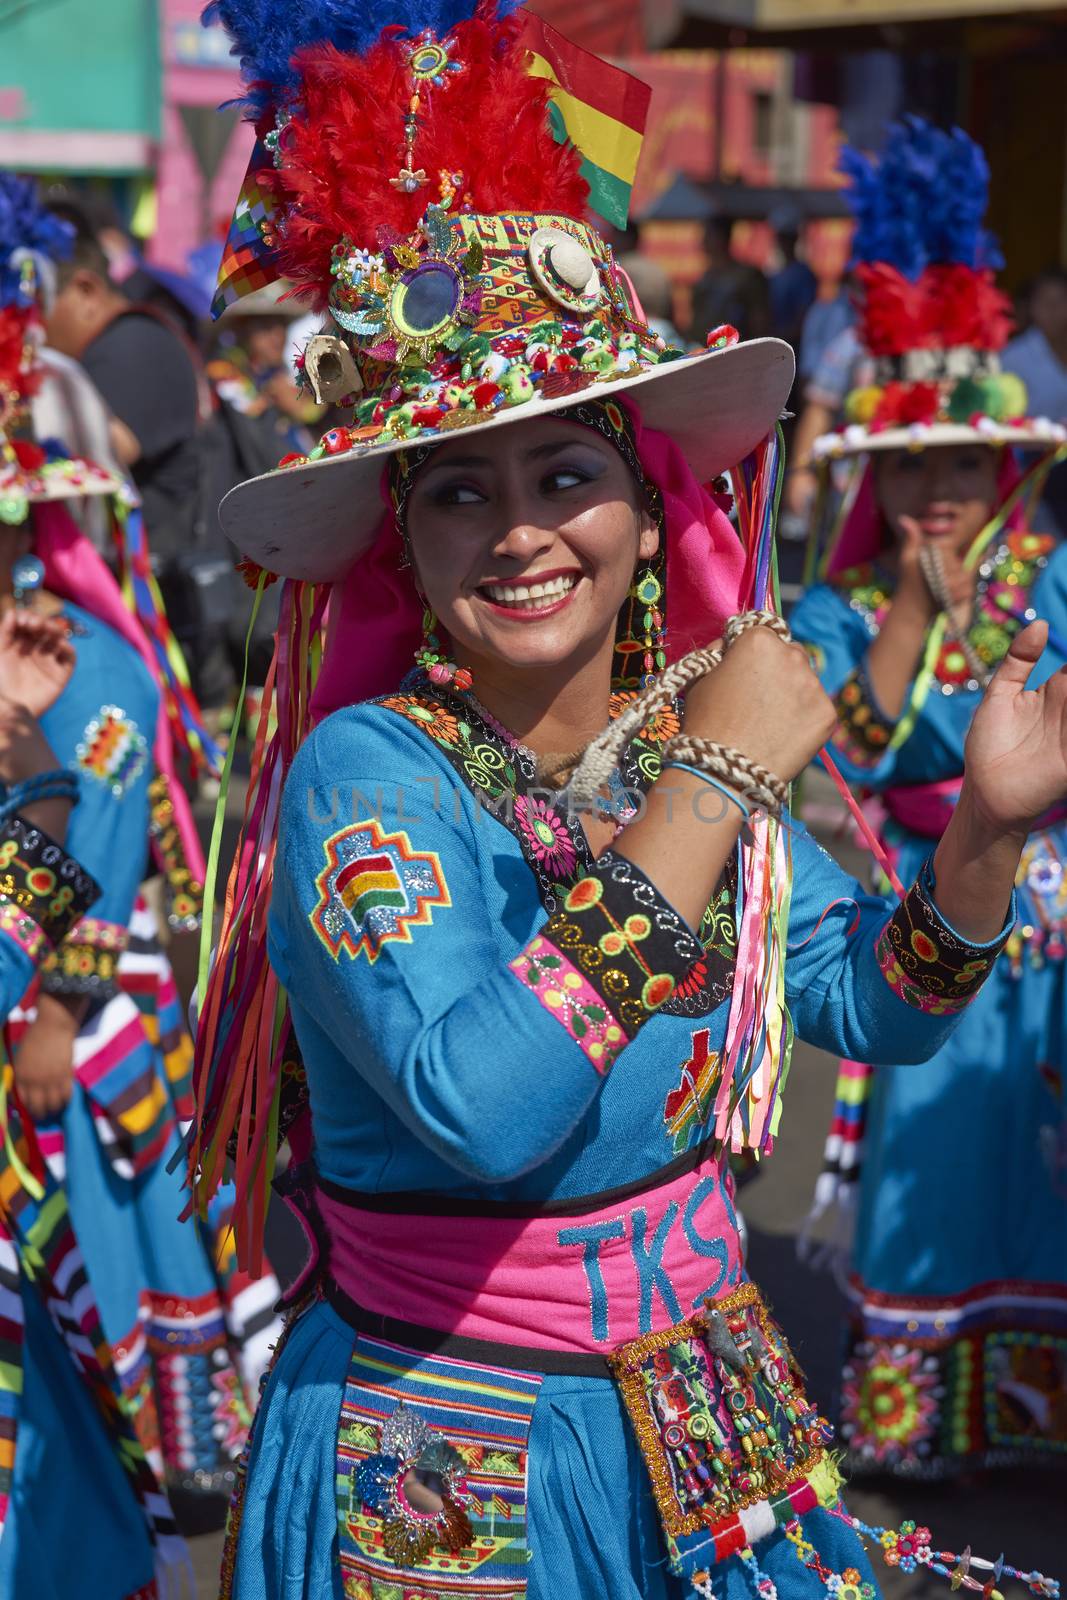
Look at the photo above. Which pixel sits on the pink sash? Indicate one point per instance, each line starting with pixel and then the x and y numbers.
pixel 927 807
pixel 565 1282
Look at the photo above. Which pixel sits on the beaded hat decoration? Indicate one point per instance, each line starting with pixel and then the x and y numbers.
pixel 411 181
pixel 31 241
pixel 930 312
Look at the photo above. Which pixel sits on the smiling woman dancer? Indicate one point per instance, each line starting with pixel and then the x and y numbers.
pixel 528 1035
pixel 957 1351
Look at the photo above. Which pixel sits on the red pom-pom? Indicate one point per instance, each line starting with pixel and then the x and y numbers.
pixel 904 403
pixel 30 457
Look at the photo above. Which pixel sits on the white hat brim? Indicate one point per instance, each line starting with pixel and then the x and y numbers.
pixel 858 441
pixel 313 521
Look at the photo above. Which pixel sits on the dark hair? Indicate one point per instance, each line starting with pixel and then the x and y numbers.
pixel 86 254
pixel 719 227
pixel 1050 274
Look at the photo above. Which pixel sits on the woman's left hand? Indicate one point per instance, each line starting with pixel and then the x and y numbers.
pixel 1016 750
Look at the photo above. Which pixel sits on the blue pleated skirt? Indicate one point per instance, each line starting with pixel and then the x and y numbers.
pixel 591 1524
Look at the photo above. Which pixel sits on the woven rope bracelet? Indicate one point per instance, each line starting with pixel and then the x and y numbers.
pixel 756 783
pixel 738 625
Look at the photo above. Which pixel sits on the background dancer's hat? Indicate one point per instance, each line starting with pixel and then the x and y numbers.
pixel 422 180
pixel 930 312
pixel 31 242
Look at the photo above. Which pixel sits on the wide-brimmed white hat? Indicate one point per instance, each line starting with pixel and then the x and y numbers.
pixel 313 518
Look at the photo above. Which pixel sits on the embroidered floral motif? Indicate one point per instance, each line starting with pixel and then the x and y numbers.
pixel 664 725
pixel 374 888
pixel 572 1000
pixel 863 731
pixel 113 749
pixel 710 979
pixel 21 928
pixel 184 893
pixel 429 715
pixel 546 836
pixel 924 962
pixel 39 879
pixel 686 1108
pixel 630 944
pixel 498 771
pixel 889 1402
pixel 87 960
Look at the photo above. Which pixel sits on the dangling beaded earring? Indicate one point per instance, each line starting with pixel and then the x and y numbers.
pixel 648 591
pixel 431 658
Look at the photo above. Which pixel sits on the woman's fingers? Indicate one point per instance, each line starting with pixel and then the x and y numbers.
pixel 1023 655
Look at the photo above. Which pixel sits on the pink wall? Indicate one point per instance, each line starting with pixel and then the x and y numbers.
pixel 197 71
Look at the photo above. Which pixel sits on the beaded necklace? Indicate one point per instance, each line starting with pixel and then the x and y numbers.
pixel 1001 605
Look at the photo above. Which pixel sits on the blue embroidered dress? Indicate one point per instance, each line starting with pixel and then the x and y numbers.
pixel 957 1345
pixel 47 1408
pixel 163 1304
pixel 469 1055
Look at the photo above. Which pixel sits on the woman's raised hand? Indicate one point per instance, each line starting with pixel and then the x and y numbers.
pixel 764 700
pixel 36 659
pixel 960 582
pixel 24 750
pixel 1016 751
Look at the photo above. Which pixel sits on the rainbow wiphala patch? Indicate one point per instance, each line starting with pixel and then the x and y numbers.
pixel 113 749
pixel 373 888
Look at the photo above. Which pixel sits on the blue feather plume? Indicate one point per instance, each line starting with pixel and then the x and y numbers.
pixel 268 33
pixel 922 202
pixel 25 224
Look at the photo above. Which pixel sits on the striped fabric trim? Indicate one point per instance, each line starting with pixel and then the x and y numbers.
pixel 116 1066
pixel 483 1413
pixel 34 1216
pixel 12 1333
pixel 571 999
pixel 145 974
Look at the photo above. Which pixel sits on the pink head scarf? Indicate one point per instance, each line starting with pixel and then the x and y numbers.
pixel 376 615
pixel 75 572
pixel 863 534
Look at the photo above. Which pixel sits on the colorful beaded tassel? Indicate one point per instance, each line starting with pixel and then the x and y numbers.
pixel 431 658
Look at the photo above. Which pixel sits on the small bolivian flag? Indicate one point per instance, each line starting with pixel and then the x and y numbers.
pixel 599 108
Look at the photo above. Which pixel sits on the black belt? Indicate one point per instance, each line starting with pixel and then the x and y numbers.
pixel 432 1341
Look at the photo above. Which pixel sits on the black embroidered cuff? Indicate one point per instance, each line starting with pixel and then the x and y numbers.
pixel 87 961
pixel 39 879
pixel 183 894
pixel 863 729
pixel 609 958
pixel 925 961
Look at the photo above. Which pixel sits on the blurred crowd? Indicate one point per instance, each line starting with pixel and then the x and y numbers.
pixel 141 379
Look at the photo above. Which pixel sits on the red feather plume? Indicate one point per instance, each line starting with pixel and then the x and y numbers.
pixel 892 311
pixel 16 376
pixel 966 308
pixel 346 141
